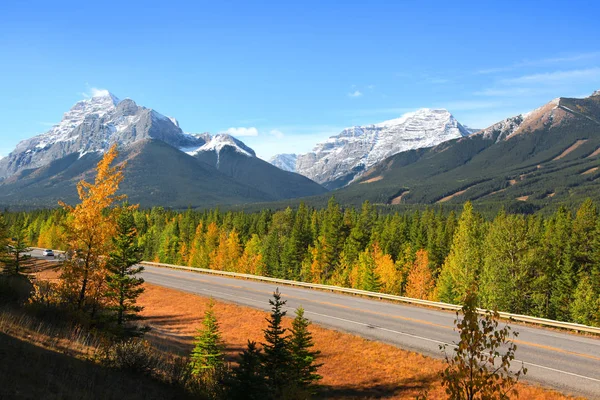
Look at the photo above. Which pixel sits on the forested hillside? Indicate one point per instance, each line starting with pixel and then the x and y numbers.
pixel 546 266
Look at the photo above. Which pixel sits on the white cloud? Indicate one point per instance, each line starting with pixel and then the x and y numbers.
pixel 356 93
pixel 277 133
pixel 94 92
pixel 556 77
pixel 242 131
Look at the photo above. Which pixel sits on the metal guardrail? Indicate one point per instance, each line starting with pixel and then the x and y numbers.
pixel 408 300
pixel 434 304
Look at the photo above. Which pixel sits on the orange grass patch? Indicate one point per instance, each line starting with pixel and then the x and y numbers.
pixel 353 367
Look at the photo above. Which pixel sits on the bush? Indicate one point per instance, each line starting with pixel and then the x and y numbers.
pixel 15 289
pixel 133 355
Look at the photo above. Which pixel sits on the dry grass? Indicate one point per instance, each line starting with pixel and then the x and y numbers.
pixel 589 171
pixel 353 367
pixel 570 149
pixel 398 199
pixel 377 178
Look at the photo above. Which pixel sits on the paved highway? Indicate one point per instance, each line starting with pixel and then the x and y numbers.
pixel 567 362
pixel 564 361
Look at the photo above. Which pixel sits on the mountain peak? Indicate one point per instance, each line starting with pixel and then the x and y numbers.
pixel 221 140
pixel 338 160
pixel 421 113
pixel 103 96
pixel 596 93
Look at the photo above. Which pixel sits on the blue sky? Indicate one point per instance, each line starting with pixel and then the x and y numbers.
pixel 292 73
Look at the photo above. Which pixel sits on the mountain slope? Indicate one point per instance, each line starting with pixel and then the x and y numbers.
pixel 236 160
pixel 548 155
pixel 160 171
pixel 342 158
pixel 156 174
pixel 286 162
pixel 93 125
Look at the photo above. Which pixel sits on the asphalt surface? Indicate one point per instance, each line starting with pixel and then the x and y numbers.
pixel 563 361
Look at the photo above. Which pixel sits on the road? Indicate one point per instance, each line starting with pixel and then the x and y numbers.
pixel 567 362
pixel 564 361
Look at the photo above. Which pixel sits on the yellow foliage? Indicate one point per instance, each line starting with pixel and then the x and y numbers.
pixel 420 280
pixel 90 227
pixel 386 270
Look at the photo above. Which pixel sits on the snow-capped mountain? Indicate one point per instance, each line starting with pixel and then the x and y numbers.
pixel 342 158
pixel 93 125
pixel 216 144
pixel 286 162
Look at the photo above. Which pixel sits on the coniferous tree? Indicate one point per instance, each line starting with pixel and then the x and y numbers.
pixel 4 238
pixel 277 357
pixel 248 381
pixel 461 269
pixel 563 288
pixel 304 358
pixel 208 349
pixel 123 282
pixel 17 248
pixel 586 303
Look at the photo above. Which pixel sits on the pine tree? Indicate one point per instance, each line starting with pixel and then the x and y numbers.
pixel 586 303
pixel 123 283
pixel 4 238
pixel 17 248
pixel 301 344
pixel 247 380
pixel 208 349
pixel 277 357
pixel 562 289
pixel 367 275
pixel 461 269
pixel 509 262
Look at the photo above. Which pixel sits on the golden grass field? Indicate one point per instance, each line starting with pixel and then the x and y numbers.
pixel 353 367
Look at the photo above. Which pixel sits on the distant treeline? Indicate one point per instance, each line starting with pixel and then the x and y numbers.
pixel 545 266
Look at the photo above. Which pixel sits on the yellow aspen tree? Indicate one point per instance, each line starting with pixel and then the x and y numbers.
pixel 218 257
pixel 251 261
pixel 197 248
pixel 89 228
pixel 386 270
pixel 233 251
pixel 420 280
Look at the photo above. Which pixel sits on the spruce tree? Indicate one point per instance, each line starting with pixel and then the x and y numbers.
pixel 123 283
pixel 461 268
pixel 17 248
pixel 248 381
pixel 277 357
pixel 207 354
pixel 4 237
pixel 301 344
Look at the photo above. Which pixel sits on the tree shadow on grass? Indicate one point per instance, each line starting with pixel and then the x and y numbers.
pixel 406 388
pixel 31 372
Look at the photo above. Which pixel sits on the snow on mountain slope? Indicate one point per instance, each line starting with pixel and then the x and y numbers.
pixel 342 158
pixel 221 140
pixel 286 162
pixel 93 125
